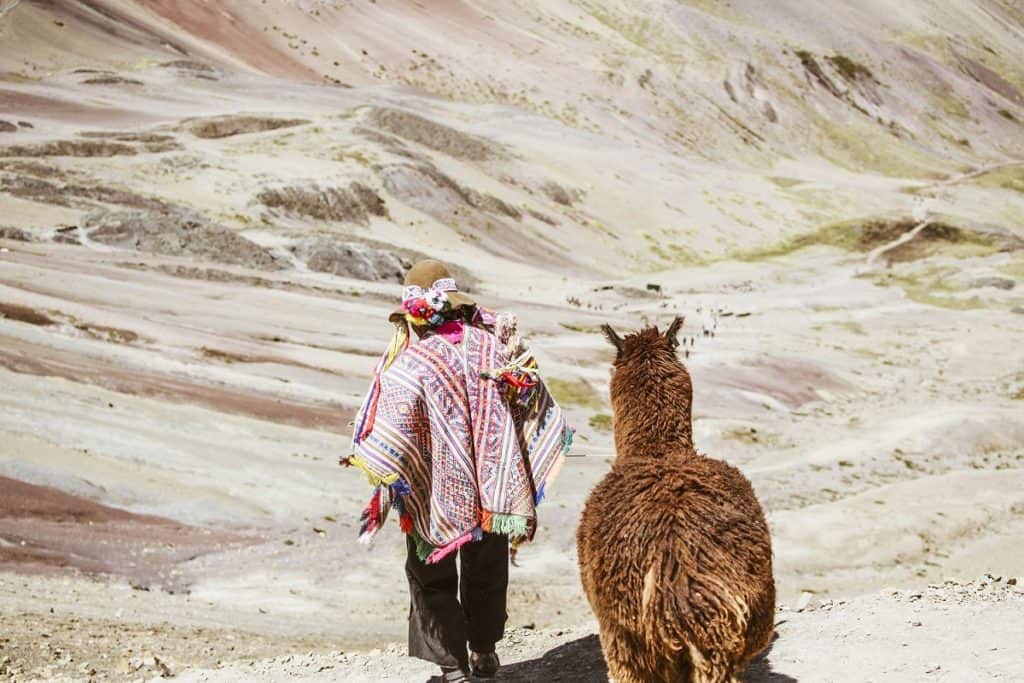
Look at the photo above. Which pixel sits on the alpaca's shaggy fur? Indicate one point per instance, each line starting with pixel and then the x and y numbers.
pixel 674 550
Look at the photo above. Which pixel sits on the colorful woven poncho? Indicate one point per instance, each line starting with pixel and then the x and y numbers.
pixel 460 436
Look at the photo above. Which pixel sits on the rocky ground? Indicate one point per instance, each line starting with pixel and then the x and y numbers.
pixel 204 217
pixel 947 632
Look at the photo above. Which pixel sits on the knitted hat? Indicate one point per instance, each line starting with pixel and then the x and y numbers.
pixel 425 275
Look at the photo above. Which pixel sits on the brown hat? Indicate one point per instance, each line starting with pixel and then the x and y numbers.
pixel 425 274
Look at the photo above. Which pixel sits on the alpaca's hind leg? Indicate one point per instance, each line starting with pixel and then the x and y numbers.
pixel 711 667
pixel 621 656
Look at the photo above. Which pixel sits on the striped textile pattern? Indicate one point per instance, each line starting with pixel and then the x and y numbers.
pixel 448 431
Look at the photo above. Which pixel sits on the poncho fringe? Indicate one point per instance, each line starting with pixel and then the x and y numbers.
pixel 452 443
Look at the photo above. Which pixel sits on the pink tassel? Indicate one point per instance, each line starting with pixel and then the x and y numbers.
pixel 445 551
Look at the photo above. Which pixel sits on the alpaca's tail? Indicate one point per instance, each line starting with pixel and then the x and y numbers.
pixel 694 615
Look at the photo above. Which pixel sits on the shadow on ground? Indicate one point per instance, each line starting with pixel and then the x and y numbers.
pixel 760 670
pixel 581 661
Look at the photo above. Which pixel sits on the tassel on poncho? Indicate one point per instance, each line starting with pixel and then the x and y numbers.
pixel 460 438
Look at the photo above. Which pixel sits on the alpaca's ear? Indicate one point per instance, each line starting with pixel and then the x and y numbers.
pixel 672 333
pixel 612 336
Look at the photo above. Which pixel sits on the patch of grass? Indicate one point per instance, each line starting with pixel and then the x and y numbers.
pixel 1014 268
pixel 587 329
pixel 353 155
pixel 602 422
pixel 906 460
pixel 841 235
pixel 1009 178
pixel 1018 395
pixel 642 31
pixel 931 291
pixel 949 104
pixel 942 239
pixel 784 182
pixel 750 436
pixel 574 393
pixel 864 235
pixel 861 147
pixel 237 218
pixel 811 64
pixel 849 69
pixel 672 252
pixel 853 326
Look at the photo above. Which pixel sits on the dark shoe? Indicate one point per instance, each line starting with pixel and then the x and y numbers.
pixel 449 675
pixel 484 664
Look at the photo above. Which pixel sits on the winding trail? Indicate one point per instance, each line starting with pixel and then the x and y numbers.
pixel 980 171
pixel 6 6
pixel 875 253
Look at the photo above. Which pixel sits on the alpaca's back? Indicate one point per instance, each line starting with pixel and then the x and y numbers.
pixel 675 557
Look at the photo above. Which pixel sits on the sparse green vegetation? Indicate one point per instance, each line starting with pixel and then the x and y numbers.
pixel 587 329
pixel 1014 268
pixel 853 326
pixel 577 392
pixel 1009 178
pixel 672 252
pixel 865 235
pixel 751 435
pixel 949 104
pixel 861 147
pixel 601 422
pixel 849 69
pixel 931 290
pixel 237 218
pixel 784 182
pixel 353 155
pixel 641 31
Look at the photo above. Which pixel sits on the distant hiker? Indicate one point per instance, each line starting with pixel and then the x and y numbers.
pixel 459 436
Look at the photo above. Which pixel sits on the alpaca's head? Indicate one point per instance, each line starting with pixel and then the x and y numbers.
pixel 650 387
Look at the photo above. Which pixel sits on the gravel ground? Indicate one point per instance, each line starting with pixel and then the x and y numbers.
pixel 946 632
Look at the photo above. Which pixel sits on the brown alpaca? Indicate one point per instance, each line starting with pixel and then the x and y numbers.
pixel 674 551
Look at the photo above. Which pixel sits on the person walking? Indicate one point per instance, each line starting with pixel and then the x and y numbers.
pixel 459 436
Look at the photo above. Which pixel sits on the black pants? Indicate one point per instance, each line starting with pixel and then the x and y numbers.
pixel 439 626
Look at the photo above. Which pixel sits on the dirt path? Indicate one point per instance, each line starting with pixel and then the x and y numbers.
pixel 980 171
pixel 948 632
pixel 875 253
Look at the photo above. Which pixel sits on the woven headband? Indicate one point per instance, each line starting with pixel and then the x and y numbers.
pixel 445 284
